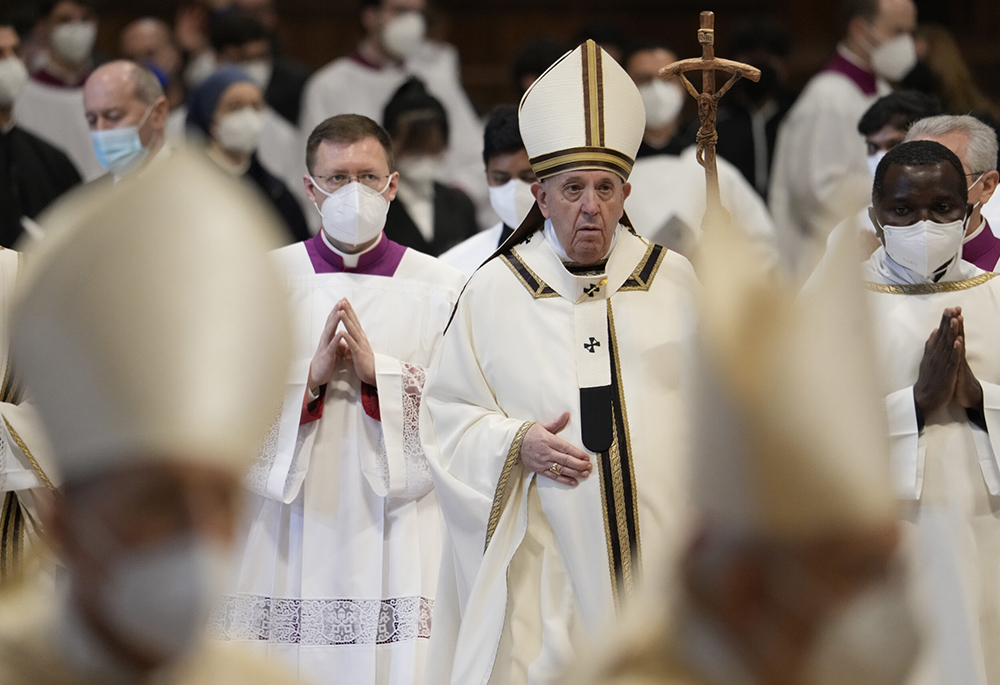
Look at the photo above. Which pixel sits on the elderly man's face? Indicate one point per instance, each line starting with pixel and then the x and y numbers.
pixel 110 101
pixel 585 208
pixel 923 193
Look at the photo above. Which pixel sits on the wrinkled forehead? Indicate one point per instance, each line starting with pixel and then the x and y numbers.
pixel 585 177
pixel 366 154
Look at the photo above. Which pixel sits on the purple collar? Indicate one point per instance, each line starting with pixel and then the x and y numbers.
pixel 865 80
pixel 381 261
pixel 983 250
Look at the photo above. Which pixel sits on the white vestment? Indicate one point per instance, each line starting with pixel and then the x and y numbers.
pixel 340 566
pixel 57 116
pixel 668 202
pixel 469 254
pixel 346 86
pixel 26 475
pixel 819 175
pixel 529 341
pixel 947 472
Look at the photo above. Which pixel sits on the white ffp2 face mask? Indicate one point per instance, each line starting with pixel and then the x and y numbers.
pixel 512 201
pixel 13 76
pixel 354 214
pixel 240 131
pixel 895 58
pixel 873 640
pixel 926 246
pixel 74 40
pixel 662 101
pixel 404 34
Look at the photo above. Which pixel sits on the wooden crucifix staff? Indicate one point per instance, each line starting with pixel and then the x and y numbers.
pixel 708 102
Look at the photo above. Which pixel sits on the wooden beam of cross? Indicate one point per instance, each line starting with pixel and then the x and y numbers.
pixel 708 102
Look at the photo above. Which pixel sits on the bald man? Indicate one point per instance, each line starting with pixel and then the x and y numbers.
pixel 126 111
pixel 149 42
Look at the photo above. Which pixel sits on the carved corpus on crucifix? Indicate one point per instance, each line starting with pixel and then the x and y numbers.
pixel 708 104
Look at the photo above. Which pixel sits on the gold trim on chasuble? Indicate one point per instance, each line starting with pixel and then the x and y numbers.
pixel 619 500
pixel 31 458
pixel 503 488
pixel 930 288
pixel 11 540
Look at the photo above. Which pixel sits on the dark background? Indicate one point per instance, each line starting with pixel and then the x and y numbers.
pixel 487 33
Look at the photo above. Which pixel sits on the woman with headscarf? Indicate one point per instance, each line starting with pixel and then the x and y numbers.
pixel 227 109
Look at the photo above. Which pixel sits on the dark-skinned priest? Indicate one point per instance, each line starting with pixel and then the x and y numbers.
pixel 938 322
pixel 560 441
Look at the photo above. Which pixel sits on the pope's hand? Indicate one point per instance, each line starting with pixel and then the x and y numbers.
pixel 940 365
pixel 542 449
pixel 352 341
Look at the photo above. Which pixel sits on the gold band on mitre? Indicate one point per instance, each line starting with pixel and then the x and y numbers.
pixel 554 163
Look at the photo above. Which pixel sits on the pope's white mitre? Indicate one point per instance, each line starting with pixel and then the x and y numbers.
pixel 152 326
pixel 584 112
pixel 790 431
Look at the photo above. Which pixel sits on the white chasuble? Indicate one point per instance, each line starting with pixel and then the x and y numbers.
pixel 532 339
pixel 344 538
pixel 27 479
pixel 947 471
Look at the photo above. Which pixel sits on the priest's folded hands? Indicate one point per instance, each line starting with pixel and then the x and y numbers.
pixel 546 454
pixel 346 344
pixel 944 372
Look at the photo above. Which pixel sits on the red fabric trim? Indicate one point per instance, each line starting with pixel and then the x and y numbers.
pixel 312 411
pixel 369 400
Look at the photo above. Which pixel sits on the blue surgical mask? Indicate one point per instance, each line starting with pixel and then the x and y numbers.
pixel 120 150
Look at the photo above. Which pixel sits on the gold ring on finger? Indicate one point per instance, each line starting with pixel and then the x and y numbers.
pixel 555 468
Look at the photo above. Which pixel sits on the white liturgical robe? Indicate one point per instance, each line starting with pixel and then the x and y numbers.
pixel 819 175
pixel 947 471
pixel 26 475
pixel 57 116
pixel 668 202
pixel 531 339
pixel 340 567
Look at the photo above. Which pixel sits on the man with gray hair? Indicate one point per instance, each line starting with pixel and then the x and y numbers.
pixel 975 143
pixel 126 112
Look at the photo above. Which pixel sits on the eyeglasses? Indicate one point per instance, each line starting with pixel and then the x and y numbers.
pixel 337 181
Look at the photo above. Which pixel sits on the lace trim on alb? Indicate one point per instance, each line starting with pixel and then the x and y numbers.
pixel 323 622
pixel 256 478
pixel 418 470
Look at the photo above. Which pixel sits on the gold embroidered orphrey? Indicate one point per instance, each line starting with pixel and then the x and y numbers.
pixel 619 497
pixel 708 104
pixel 930 288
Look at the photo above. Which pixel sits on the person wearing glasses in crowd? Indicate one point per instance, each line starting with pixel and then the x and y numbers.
pixel 340 568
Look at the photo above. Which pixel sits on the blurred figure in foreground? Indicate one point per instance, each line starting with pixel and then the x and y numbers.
pixel 132 368
pixel 794 575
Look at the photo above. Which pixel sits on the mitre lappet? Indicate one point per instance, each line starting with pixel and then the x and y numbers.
pixel 152 326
